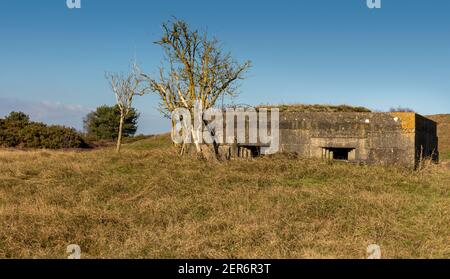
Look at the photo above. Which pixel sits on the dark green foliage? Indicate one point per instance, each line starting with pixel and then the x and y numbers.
pixel 18 118
pixel 16 130
pixel 103 123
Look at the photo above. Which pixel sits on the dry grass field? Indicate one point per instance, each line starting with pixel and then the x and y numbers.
pixel 149 203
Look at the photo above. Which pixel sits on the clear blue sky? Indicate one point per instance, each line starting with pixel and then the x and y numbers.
pixel 52 59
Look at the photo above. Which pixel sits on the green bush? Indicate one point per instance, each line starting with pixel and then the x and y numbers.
pixel 16 130
pixel 103 123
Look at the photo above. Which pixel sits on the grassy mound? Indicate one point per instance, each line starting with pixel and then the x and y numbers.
pixel 315 108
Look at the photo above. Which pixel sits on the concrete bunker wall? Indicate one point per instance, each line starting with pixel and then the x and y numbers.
pixel 399 138
pixel 426 139
pixel 367 137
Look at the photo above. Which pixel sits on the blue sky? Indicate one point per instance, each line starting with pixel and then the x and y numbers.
pixel 52 59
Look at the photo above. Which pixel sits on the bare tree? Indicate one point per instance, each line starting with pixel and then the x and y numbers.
pixel 197 71
pixel 125 87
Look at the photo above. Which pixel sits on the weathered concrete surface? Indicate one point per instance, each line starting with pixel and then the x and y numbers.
pixel 399 138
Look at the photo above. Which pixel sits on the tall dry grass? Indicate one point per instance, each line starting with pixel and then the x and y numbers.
pixel 149 203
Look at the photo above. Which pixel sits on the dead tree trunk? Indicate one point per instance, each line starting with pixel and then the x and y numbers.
pixel 119 137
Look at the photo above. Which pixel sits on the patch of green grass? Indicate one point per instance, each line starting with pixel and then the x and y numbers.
pixel 445 155
pixel 155 142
